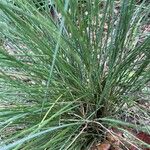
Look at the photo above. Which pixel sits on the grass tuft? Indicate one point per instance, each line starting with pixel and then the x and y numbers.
pixel 70 71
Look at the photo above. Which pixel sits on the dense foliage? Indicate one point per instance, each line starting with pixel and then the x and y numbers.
pixel 70 72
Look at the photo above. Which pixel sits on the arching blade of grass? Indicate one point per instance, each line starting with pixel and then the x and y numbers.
pixel 35 135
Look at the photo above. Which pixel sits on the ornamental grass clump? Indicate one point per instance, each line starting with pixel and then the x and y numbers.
pixel 69 71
